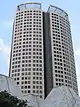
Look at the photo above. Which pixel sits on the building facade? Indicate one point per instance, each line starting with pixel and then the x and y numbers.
pixel 42 53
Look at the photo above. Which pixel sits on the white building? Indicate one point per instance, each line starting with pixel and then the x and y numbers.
pixel 59 97
pixel 62 97
pixel 42 53
pixel 8 84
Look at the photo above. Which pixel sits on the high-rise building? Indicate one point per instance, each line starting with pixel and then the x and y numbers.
pixel 42 53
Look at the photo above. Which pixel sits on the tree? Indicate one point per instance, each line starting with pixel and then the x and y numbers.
pixel 7 100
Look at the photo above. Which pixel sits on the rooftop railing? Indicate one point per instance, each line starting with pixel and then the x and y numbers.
pixel 57 10
pixel 28 5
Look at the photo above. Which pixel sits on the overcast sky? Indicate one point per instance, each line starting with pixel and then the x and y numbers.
pixel 7 13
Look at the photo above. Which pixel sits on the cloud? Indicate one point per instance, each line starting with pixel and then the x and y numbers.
pixel 4 48
pixel 5 56
pixel 77 52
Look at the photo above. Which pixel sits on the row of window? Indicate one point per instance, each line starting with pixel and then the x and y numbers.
pixel 34 91
pixel 27 45
pixel 28 86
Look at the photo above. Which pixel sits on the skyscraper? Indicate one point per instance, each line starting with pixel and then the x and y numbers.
pixel 42 53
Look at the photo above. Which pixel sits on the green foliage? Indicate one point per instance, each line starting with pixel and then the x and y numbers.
pixel 6 100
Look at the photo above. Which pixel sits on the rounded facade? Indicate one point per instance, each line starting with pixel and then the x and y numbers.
pixel 27 66
pixel 64 72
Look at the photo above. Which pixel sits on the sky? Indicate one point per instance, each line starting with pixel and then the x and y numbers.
pixel 7 14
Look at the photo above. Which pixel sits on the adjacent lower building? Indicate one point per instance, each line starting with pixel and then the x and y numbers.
pixel 42 52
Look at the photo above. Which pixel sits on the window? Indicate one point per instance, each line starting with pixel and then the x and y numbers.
pixel 29 91
pixel 17 83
